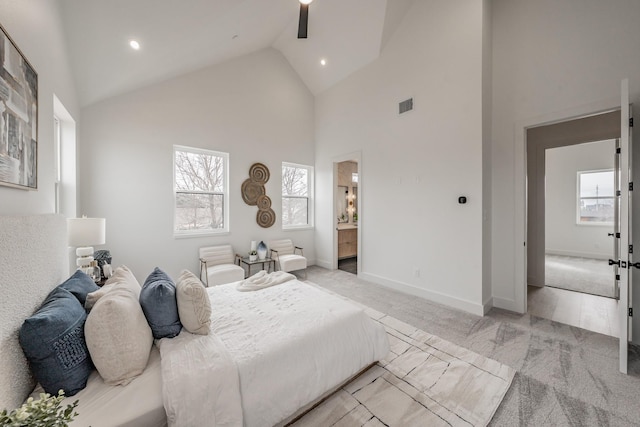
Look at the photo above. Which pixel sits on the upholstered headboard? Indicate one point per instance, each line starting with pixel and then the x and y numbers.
pixel 33 260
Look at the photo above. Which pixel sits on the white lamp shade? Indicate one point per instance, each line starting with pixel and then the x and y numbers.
pixel 86 231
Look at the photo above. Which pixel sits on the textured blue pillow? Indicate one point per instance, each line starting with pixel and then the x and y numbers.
pixel 53 341
pixel 79 284
pixel 158 301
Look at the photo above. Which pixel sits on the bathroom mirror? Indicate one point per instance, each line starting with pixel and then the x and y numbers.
pixel 341 204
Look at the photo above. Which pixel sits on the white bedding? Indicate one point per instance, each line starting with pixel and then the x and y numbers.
pixel 291 344
pixel 139 404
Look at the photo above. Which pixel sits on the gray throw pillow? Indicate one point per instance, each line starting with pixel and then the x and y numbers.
pixel 159 304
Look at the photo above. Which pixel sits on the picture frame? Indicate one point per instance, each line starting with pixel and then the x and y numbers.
pixel 18 117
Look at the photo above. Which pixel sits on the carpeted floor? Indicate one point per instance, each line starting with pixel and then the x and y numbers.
pixel 588 275
pixel 566 376
pixel 424 380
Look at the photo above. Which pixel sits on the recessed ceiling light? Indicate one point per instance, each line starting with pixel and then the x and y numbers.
pixel 134 45
pixel 305 1
pixel 323 62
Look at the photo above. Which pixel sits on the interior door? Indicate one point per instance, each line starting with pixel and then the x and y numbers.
pixel 625 241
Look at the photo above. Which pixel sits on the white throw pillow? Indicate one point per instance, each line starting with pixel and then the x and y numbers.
pixel 121 277
pixel 118 336
pixel 194 307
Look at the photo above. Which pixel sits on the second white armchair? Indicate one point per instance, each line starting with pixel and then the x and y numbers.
pixel 287 256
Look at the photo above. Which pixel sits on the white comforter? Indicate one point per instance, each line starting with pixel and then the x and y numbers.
pixel 289 344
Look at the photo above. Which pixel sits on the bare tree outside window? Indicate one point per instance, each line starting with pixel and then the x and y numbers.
pixel 296 183
pixel 200 189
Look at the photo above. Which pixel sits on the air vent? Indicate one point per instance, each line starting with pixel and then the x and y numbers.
pixel 406 105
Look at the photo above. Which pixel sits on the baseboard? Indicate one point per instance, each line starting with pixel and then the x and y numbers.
pixel 487 305
pixel 506 304
pixel 324 264
pixel 577 254
pixel 460 304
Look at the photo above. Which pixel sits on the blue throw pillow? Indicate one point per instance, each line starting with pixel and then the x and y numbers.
pixel 53 341
pixel 158 301
pixel 80 284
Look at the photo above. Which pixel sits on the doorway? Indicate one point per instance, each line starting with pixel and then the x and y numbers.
pixel 568 248
pixel 347 214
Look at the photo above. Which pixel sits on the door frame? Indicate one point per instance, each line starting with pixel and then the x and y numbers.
pixel 354 156
pixel 519 303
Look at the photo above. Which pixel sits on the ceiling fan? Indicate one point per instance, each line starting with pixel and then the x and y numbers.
pixel 304 18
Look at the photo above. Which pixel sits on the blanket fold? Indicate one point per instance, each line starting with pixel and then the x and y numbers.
pixel 200 383
pixel 262 280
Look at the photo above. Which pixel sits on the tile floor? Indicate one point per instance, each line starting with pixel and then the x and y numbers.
pixel 591 312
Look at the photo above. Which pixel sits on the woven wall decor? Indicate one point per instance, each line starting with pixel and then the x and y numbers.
pixel 266 217
pixel 254 194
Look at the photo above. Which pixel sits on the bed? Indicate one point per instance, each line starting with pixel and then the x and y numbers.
pixel 285 346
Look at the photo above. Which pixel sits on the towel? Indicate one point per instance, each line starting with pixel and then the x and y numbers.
pixel 262 280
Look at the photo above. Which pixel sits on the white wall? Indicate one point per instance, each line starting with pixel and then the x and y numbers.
pixel 255 108
pixel 563 236
pixel 553 59
pixel 35 26
pixel 414 166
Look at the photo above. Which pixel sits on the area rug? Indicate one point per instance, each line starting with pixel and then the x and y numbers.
pixel 424 381
pixel 588 275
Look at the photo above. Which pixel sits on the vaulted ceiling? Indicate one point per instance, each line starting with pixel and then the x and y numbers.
pixel 179 36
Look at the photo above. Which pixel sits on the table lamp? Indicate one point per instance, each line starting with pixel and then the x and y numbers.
pixel 82 233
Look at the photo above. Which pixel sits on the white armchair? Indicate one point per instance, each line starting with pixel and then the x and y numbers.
pixel 287 256
pixel 218 265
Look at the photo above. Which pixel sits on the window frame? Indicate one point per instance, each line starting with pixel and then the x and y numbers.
pixel 57 159
pixel 225 193
pixel 310 197
pixel 579 198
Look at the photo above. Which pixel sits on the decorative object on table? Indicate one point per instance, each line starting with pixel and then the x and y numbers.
pixel 107 271
pixel 253 255
pixel 103 256
pixel 18 118
pixel 45 412
pixel 82 233
pixel 95 272
pixel 262 250
pixel 254 194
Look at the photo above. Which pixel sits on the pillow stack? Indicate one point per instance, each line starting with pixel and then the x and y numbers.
pixel 194 305
pixel 158 301
pixel 117 333
pixel 63 343
pixel 53 338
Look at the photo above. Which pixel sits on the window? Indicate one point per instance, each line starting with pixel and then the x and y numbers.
pixel 57 162
pixel 200 182
pixel 297 191
pixel 596 197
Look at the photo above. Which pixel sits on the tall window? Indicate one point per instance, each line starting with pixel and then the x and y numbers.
pixel 297 191
pixel 57 162
pixel 200 182
pixel 596 197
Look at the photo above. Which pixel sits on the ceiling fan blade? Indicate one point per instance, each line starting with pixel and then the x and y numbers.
pixel 304 21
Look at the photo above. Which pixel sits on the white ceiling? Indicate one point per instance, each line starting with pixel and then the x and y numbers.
pixel 179 36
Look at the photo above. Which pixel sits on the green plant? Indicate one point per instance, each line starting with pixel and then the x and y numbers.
pixel 44 412
pixel 355 216
pixel 253 252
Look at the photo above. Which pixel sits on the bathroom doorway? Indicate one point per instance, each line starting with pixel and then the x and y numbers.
pixel 347 215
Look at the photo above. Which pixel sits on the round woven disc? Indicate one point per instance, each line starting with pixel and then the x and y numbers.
pixel 266 218
pixel 251 191
pixel 263 202
pixel 259 173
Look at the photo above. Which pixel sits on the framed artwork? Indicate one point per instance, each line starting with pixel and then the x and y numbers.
pixel 18 117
